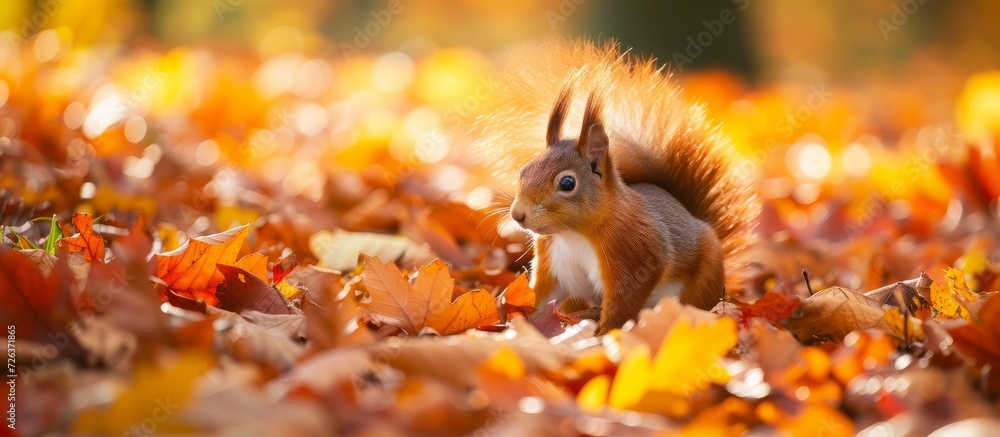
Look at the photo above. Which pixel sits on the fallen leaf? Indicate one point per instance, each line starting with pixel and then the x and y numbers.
pixel 242 291
pixel 86 240
pixel 40 308
pixel 517 297
pixel 952 302
pixel 255 264
pixel 661 383
pixel 547 321
pixel 249 342
pixel 909 293
pixel 43 260
pixel 425 304
pixel 282 268
pixel 653 324
pixel 454 359
pixel 192 270
pixel 340 250
pixel 292 325
pixel 835 312
pixel 907 328
pixel 155 391
pixel 773 305
pixel 980 339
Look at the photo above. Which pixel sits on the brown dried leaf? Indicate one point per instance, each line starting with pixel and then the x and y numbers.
pixel 244 291
pixel 425 304
pixel 834 313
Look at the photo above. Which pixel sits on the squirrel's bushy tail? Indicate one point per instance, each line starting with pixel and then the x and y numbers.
pixel 656 136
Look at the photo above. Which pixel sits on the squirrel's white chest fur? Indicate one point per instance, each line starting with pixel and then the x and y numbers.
pixel 574 265
pixel 573 261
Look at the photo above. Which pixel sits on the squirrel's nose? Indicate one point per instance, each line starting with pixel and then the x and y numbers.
pixel 518 216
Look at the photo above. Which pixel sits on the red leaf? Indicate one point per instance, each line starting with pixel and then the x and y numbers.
pixel 245 291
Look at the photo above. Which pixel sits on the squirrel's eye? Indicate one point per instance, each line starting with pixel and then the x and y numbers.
pixel 567 183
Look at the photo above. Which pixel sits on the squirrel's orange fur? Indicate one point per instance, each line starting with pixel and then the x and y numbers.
pixel 545 126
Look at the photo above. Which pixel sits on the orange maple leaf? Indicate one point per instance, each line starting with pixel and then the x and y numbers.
pixel 425 304
pixel 517 298
pixel 87 240
pixel 191 271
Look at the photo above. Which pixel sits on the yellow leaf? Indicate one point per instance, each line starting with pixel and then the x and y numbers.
pixel 504 362
pixel 951 302
pixel 914 328
pixel 632 379
pixel 701 346
pixel 594 394
pixel 686 364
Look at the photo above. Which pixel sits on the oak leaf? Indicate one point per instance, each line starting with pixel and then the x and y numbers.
pixel 425 304
pixel 191 270
pixel 86 240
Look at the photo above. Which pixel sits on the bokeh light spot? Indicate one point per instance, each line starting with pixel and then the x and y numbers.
pixel 87 190
pixel 856 160
pixel 74 114
pixel 4 93
pixel 393 72
pixel 814 161
pixel 103 115
pixel 46 45
pixel 207 153
pixel 311 119
pixel 135 129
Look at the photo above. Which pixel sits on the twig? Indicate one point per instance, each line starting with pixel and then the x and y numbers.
pixel 805 274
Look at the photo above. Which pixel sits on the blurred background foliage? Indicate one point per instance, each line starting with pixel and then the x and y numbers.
pixel 871 121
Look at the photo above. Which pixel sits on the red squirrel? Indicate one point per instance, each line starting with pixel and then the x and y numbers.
pixel 628 193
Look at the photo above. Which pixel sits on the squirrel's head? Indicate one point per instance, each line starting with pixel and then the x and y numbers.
pixel 570 184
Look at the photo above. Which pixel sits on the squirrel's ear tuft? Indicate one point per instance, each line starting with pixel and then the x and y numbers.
pixel 559 111
pixel 593 143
